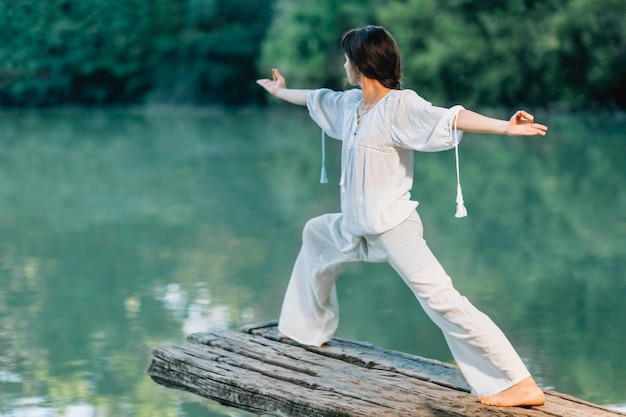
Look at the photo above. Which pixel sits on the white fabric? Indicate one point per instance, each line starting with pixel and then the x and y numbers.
pixel 310 312
pixel 377 153
pixel 378 223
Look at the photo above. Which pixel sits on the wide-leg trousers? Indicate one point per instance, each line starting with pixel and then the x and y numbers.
pixel 310 311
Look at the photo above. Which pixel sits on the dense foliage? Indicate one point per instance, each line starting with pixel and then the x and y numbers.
pixel 107 51
pixel 489 53
pixel 569 53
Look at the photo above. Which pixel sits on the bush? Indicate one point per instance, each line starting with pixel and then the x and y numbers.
pixel 112 51
pixel 491 53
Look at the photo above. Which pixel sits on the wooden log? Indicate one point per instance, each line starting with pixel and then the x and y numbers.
pixel 257 371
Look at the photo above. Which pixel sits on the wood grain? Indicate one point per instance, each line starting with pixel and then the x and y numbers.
pixel 257 371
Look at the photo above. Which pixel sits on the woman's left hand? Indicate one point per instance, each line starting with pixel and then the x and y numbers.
pixel 521 124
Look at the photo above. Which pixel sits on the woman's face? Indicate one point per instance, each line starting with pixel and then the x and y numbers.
pixel 351 72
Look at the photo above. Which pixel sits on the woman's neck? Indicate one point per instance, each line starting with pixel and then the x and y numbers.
pixel 373 91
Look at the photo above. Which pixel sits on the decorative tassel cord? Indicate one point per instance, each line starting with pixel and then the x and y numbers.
pixel 461 211
pixel 323 176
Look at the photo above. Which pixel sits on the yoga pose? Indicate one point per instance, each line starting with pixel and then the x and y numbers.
pixel 380 125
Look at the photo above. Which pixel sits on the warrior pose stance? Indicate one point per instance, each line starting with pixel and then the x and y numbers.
pixel 380 125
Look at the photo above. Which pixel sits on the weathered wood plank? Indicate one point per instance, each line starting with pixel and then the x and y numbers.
pixel 257 371
pixel 370 356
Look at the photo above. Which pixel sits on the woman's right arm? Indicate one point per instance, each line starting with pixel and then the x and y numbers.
pixel 277 87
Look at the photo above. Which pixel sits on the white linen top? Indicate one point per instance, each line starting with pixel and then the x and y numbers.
pixel 377 152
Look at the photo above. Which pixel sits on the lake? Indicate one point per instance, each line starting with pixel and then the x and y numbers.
pixel 125 229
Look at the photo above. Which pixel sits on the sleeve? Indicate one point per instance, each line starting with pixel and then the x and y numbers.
pixel 420 126
pixel 326 109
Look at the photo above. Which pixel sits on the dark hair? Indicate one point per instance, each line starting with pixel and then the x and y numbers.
pixel 375 53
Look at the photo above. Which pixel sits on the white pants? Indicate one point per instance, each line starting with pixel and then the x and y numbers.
pixel 310 312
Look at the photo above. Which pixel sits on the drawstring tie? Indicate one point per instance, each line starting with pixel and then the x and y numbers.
pixel 323 176
pixel 461 211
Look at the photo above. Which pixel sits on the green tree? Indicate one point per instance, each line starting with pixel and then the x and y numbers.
pixel 303 40
pixel 588 39
pixel 101 51
pixel 494 53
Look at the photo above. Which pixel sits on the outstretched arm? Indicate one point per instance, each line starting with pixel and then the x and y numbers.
pixel 277 87
pixel 520 124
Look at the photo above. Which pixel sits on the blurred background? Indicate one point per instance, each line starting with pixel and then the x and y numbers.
pixel 150 189
pixel 567 53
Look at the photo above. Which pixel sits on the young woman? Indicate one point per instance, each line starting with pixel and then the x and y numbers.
pixel 380 126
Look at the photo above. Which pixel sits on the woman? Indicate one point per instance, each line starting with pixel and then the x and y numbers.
pixel 380 126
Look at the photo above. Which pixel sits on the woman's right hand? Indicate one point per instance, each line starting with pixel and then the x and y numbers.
pixel 274 85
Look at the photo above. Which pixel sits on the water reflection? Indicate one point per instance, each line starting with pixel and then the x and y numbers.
pixel 124 230
pixel 199 314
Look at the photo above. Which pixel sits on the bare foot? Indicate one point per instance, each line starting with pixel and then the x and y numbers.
pixel 525 393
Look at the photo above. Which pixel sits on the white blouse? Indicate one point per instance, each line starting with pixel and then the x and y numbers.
pixel 376 156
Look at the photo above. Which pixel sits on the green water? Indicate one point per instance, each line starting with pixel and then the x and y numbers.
pixel 122 230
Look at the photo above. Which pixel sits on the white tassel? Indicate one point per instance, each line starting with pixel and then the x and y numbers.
pixel 461 211
pixel 323 176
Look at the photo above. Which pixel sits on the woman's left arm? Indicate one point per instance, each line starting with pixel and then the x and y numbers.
pixel 520 124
